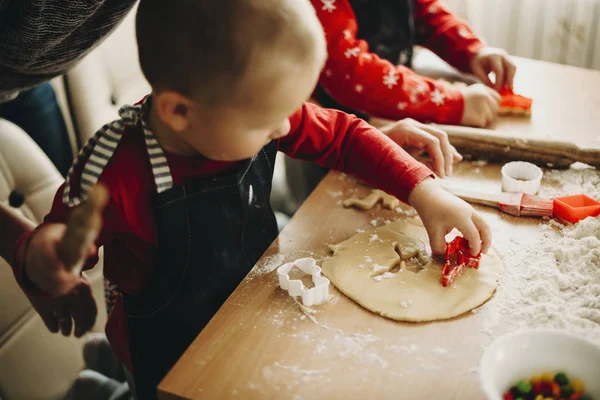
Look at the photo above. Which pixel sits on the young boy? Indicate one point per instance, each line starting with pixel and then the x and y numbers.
pixel 189 170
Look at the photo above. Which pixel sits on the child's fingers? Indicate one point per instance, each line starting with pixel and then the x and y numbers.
pixel 471 233
pixel 498 69
pixel 484 232
pixel 481 73
pixel 445 146
pixel 437 241
pixel 432 145
pixel 457 157
pixel 49 320
pixel 511 70
pixel 80 310
pixel 45 308
pixel 63 315
pixel 86 317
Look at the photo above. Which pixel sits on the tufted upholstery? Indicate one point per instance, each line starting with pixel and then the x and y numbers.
pixel 34 364
pixel 105 80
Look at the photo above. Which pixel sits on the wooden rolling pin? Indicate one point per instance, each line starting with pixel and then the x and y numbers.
pixel 489 145
pixel 83 227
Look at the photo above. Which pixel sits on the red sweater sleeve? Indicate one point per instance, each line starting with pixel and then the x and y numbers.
pixel 336 140
pixel 440 31
pixel 362 81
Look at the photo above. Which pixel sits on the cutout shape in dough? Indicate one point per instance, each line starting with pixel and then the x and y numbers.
pixel 365 268
pixel 376 196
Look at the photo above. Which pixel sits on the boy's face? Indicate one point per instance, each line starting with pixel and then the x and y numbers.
pixel 236 132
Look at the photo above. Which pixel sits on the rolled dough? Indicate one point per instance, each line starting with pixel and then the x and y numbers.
pixel 364 269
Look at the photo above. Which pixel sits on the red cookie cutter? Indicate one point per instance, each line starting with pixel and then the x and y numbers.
pixel 511 103
pixel 457 257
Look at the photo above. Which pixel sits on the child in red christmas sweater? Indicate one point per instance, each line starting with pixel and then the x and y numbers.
pixel 370 47
pixel 189 171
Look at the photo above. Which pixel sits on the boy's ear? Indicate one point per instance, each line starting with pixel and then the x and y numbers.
pixel 173 109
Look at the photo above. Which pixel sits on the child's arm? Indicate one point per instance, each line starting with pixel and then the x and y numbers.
pixel 440 31
pixel 343 142
pixel 362 81
pixel 452 39
pixel 340 141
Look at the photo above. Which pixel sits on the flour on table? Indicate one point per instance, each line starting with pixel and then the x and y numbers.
pixel 553 281
pixel 578 179
pixel 269 264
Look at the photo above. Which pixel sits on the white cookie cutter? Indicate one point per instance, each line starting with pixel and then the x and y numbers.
pixel 315 295
pixel 521 176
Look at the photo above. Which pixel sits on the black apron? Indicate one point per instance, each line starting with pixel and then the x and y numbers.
pixel 210 234
pixel 389 29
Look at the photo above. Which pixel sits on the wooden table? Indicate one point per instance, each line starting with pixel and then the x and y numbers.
pixel 260 345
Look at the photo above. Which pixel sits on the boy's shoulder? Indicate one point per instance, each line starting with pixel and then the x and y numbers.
pixel 119 161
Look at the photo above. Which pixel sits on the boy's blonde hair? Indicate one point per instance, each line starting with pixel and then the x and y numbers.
pixel 204 49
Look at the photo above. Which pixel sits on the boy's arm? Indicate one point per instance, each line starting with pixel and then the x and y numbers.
pixel 340 141
pixel 443 33
pixel 337 140
pixel 360 80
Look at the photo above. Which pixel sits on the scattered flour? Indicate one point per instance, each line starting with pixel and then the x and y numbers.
pixel 378 268
pixel 551 283
pixel 268 264
pixel 406 304
pixel 411 212
pixel 578 179
pixel 385 275
pixel 375 238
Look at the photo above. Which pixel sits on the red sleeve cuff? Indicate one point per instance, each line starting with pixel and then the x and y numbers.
pixel 18 266
pixel 402 183
pixel 451 112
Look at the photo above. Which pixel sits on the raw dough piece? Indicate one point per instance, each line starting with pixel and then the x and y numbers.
pixel 364 269
pixel 376 195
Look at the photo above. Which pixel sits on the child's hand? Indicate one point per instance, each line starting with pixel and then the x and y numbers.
pixel 491 59
pixel 481 105
pixel 411 133
pixel 441 212
pixel 43 266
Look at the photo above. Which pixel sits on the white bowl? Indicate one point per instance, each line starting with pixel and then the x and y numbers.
pixel 525 354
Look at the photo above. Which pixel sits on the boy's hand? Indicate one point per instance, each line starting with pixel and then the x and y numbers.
pixel 76 308
pixel 441 212
pixel 491 59
pixel 481 105
pixel 410 133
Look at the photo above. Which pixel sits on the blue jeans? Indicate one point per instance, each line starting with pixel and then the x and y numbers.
pixel 36 111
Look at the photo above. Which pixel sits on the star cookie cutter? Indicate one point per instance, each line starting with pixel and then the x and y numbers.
pixel 310 297
pixel 457 257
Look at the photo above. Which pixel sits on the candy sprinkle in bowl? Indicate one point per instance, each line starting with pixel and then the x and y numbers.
pixel 530 354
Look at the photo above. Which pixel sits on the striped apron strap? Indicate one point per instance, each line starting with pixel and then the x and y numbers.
pixel 102 146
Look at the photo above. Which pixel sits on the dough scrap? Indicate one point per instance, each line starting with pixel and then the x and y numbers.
pixel 376 196
pixel 367 272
